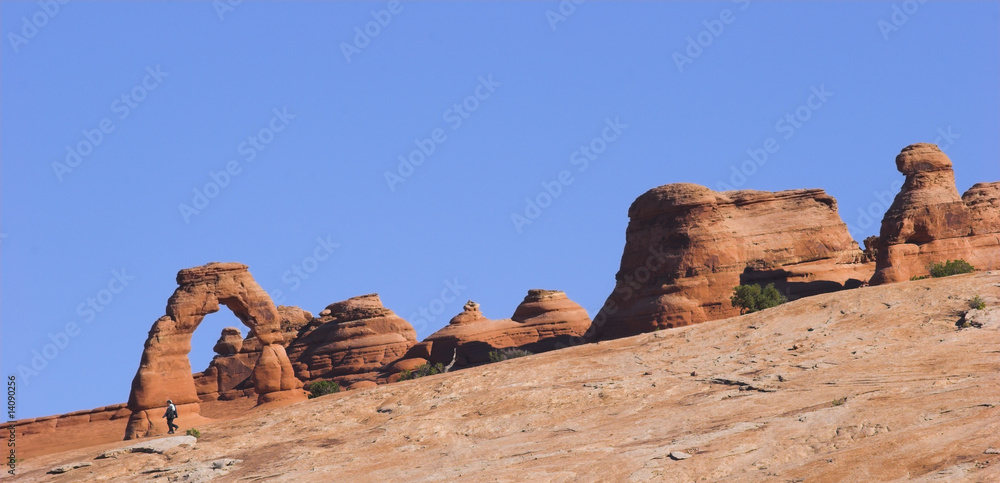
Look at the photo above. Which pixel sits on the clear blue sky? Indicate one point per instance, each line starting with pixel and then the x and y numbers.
pixel 201 90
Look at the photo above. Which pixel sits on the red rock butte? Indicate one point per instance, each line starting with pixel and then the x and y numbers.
pixel 687 246
pixel 165 371
pixel 929 222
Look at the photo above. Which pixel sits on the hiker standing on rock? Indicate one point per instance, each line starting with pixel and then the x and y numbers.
pixel 171 414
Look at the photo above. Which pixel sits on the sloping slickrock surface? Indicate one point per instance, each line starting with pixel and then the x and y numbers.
pixel 158 445
pixel 69 467
pixel 873 384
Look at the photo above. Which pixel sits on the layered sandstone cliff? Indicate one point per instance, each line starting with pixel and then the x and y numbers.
pixel 688 246
pixel 929 222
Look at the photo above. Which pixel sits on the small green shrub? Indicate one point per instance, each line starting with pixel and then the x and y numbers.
pixel 507 353
pixel 194 432
pixel 322 388
pixel 839 402
pixel 977 302
pixel 753 298
pixel 950 267
pixel 919 277
pixel 421 371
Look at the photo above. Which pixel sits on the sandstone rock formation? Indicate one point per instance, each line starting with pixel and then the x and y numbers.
pixel 50 423
pixel 688 246
pixel 929 223
pixel 230 342
pixel 293 319
pixel 165 371
pixel 983 202
pixel 543 320
pixel 51 434
pixel 154 446
pixel 864 385
pixel 350 341
pixel 228 375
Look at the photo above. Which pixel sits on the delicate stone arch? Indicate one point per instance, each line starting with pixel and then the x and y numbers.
pixel 165 371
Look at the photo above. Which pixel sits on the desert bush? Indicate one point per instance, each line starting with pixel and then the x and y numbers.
pixel 507 353
pixel 421 371
pixel 977 303
pixel 194 432
pixel 840 401
pixel 950 267
pixel 753 298
pixel 322 388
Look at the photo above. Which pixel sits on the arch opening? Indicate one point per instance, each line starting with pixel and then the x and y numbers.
pixel 165 369
pixel 208 334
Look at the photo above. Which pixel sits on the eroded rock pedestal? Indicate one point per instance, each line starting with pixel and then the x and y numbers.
pixel 540 323
pixel 687 247
pixel 165 371
pixel 929 223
